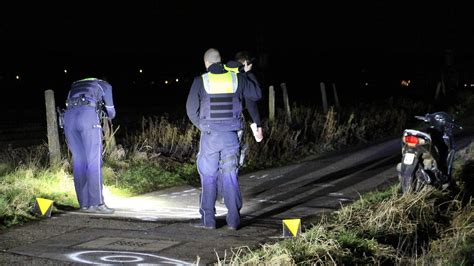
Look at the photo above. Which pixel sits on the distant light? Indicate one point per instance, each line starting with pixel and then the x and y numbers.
pixel 472 85
pixel 177 80
pixel 366 84
pixel 166 82
pixel 17 77
pixel 405 83
pixel 141 70
pixel 465 85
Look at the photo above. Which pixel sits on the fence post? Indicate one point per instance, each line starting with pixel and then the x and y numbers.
pixel 443 84
pixel 271 103
pixel 286 101
pixel 323 96
pixel 438 88
pixel 52 126
pixel 336 98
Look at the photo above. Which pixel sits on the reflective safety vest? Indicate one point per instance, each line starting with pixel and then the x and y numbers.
pixel 220 103
pixel 86 90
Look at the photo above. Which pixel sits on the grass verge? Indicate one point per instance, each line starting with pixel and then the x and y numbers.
pixel 428 228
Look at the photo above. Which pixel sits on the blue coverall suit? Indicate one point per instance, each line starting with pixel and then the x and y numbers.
pixel 83 132
pixel 217 113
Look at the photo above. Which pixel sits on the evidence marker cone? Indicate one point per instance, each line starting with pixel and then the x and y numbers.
pixel 43 207
pixel 291 227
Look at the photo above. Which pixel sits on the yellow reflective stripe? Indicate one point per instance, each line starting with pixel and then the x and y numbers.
pixel 88 79
pixel 231 69
pixel 221 83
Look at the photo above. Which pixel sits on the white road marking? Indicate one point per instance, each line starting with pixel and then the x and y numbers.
pixel 270 201
pixel 343 199
pixel 325 185
pixel 276 177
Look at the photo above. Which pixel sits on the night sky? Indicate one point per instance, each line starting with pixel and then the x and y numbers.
pixel 301 44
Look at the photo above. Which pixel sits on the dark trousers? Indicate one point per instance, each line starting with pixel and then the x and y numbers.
pixel 218 156
pixel 84 138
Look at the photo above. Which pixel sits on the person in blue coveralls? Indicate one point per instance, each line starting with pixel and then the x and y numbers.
pixel 214 105
pixel 86 100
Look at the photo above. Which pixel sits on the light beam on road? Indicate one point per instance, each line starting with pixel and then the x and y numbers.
pixel 153 206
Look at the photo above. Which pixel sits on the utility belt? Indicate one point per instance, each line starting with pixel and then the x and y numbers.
pixel 80 101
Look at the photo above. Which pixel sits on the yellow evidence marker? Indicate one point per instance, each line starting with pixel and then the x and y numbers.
pixel 291 227
pixel 43 207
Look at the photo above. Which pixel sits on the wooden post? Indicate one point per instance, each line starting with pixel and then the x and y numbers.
pixel 271 103
pixel 52 126
pixel 443 84
pixel 324 98
pixel 286 101
pixel 438 88
pixel 336 98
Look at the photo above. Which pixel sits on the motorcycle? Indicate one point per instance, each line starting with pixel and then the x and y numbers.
pixel 427 156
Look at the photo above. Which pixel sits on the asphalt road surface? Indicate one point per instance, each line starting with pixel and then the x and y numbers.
pixel 155 228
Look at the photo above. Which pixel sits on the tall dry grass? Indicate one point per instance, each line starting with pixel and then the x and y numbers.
pixel 159 136
pixel 25 176
pixel 427 228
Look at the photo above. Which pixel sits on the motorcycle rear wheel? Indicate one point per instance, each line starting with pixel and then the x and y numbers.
pixel 413 182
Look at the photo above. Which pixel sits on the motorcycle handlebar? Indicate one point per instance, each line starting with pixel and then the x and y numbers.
pixel 427 120
pixel 422 118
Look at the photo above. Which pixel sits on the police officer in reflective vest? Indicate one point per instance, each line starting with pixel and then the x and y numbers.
pixel 214 105
pixel 83 130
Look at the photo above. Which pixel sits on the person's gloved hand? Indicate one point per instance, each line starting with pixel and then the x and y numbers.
pixel 257 132
pixel 247 67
